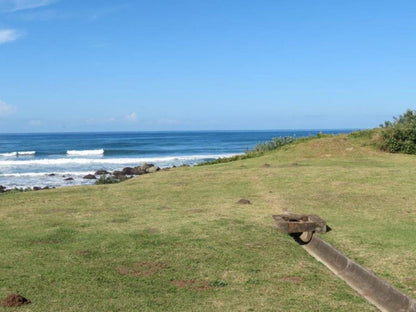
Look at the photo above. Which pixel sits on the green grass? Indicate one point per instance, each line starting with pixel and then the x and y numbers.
pixel 178 241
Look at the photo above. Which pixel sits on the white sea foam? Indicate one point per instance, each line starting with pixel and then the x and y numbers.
pixel 45 174
pixel 23 153
pixel 26 153
pixel 8 154
pixel 109 161
pixel 85 152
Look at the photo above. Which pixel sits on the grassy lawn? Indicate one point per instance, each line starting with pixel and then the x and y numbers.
pixel 178 241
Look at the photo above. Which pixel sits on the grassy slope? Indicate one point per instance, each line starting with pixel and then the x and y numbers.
pixel 177 240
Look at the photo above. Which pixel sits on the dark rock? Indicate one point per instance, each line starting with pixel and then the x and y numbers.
pixel 37 188
pixel 90 177
pixel 51 175
pixel 2 189
pixel 69 179
pixel 244 202
pixel 128 171
pixel 139 170
pixel 117 173
pixel 101 172
pixel 46 188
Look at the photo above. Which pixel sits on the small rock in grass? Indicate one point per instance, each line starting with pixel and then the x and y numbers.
pixel 14 300
pixel 244 202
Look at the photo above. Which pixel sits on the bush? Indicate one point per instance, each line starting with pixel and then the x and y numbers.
pixel 399 136
pixel 273 144
pixel 108 180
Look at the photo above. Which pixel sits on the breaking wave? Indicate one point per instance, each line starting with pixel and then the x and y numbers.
pixel 109 161
pixel 85 152
pixel 23 153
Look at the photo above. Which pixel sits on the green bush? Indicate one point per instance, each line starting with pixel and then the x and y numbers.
pixel 109 180
pixel 399 136
pixel 273 144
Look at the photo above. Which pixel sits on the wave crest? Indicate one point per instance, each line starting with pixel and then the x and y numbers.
pixel 109 161
pixel 14 154
pixel 85 152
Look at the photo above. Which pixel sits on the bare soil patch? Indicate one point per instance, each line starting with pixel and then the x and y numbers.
pixel 153 230
pixel 196 210
pixel 14 300
pixel 165 208
pixel 141 269
pixel 191 284
pixel 83 252
pixel 292 279
pixel 244 201
pixel 46 241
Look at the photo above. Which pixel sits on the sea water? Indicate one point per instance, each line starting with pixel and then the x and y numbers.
pixel 49 159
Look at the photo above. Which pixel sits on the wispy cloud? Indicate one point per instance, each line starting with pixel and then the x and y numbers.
pixel 19 5
pixel 44 15
pixel 8 35
pixel 6 109
pixel 131 117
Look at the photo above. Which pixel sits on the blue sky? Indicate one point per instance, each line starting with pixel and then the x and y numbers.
pixel 70 65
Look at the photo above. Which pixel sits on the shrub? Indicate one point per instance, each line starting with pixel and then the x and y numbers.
pixel 399 136
pixel 273 144
pixel 103 179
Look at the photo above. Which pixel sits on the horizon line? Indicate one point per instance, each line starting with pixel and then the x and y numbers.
pixel 164 131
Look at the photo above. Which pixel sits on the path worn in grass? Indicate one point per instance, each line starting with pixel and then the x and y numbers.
pixel 178 240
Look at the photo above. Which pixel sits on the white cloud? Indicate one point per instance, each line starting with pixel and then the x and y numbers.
pixel 19 5
pixel 6 109
pixel 131 117
pixel 8 35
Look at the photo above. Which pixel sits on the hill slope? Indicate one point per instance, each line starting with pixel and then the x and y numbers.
pixel 179 241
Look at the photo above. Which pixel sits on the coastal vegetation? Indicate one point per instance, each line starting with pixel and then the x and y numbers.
pixel 399 135
pixel 183 240
pixel 258 150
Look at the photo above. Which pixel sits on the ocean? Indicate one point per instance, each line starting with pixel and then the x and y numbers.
pixel 49 159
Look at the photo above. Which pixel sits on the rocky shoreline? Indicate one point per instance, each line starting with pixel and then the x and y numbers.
pixel 100 177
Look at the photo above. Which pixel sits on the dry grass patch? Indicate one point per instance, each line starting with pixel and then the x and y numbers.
pixel 144 269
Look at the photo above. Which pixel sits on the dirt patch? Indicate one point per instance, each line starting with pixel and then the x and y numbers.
pixel 14 300
pixel 46 241
pixel 257 245
pixel 141 269
pixel 153 230
pixel 244 201
pixel 165 208
pixel 120 220
pixel 196 210
pixel 292 279
pixel 266 166
pixel 191 284
pixel 83 252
